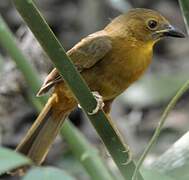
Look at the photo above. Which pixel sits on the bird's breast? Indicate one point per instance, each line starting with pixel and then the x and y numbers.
pixel 118 70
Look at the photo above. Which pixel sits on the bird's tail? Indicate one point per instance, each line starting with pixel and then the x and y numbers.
pixel 40 136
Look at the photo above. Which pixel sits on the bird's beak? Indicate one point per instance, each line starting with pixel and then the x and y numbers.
pixel 173 32
pixel 169 30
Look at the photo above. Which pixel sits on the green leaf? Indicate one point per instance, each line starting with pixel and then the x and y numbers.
pixel 154 175
pixel 180 173
pixel 47 173
pixel 10 160
pixel 175 161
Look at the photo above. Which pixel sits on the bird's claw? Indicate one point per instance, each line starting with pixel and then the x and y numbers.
pixel 129 157
pixel 100 103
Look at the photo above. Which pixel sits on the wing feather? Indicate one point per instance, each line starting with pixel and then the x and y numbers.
pixel 84 55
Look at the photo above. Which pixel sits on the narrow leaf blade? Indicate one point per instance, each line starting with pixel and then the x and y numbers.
pixel 10 160
pixel 47 173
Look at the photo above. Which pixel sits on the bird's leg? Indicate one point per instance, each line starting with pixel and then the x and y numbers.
pixel 107 106
pixel 100 103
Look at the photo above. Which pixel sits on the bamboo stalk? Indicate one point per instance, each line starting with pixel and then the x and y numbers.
pixel 104 127
pixel 85 153
pixel 7 41
pixel 1 62
pixel 184 5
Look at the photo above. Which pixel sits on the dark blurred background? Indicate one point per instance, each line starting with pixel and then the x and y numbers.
pixel 136 112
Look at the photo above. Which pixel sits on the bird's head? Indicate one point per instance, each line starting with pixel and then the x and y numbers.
pixel 144 25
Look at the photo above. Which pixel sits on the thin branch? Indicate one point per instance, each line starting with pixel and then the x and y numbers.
pixel 184 5
pixel 154 138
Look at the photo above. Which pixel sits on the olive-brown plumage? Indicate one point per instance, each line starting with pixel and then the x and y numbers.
pixel 109 60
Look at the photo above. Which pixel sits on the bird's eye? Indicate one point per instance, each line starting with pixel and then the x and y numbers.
pixel 152 24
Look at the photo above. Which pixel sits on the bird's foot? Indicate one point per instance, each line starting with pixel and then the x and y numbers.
pixel 100 103
pixel 129 157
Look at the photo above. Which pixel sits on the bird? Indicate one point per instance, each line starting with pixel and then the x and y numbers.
pixel 109 60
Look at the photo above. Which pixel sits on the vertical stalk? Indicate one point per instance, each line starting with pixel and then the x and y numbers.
pixel 85 153
pixel 184 5
pixel 1 62
pixel 9 43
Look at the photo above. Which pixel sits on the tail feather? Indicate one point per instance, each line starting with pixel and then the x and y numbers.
pixel 27 141
pixel 47 134
pixel 39 138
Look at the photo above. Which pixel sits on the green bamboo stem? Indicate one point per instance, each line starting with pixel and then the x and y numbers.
pixel 105 128
pixel 72 134
pixel 168 109
pixel 35 102
pixel 9 43
pixel 184 5
pixel 85 153
pixel 1 62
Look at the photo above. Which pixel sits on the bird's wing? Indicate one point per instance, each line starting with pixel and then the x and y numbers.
pixel 84 55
